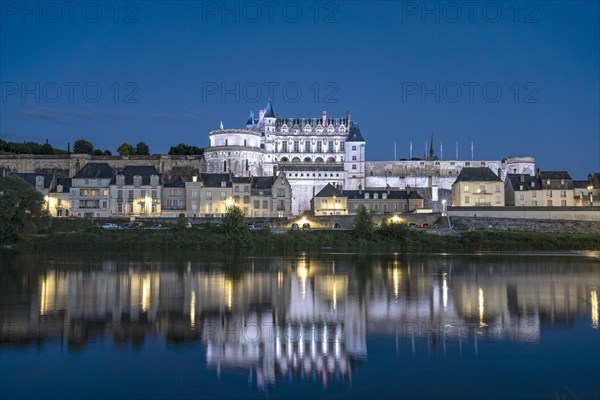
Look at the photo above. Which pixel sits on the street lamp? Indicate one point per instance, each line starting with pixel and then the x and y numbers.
pixel 590 188
pixel 444 213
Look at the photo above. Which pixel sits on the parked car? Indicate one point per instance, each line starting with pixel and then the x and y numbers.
pixel 110 226
pixel 425 226
pixel 137 225
pixel 295 227
pixel 412 226
pixel 156 226
pixel 250 225
pixel 125 226
pixel 306 226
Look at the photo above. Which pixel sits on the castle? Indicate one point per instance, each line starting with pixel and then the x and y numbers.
pixel 310 152
pixel 313 152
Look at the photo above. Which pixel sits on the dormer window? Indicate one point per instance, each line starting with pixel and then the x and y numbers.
pixel 154 180
pixel 223 184
pixel 562 182
pixel 59 188
pixel 366 195
pixel 548 182
pixel 520 187
pixel 375 196
pixel 532 184
pixel 39 181
pixel 384 196
pixel 120 180
pixel 137 180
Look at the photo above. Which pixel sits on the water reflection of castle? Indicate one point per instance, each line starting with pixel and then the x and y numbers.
pixel 301 318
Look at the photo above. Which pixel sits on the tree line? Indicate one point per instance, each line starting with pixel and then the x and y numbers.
pixel 82 146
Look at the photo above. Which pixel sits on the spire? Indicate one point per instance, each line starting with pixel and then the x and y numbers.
pixel 221 126
pixel 250 118
pixel 431 150
pixel 269 113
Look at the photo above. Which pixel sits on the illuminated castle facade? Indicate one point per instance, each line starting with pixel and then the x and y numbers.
pixel 313 152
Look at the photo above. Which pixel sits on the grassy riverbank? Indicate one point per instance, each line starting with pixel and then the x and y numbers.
pixel 216 239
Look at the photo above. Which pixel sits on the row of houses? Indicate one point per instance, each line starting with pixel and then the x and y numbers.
pixel 97 191
pixel 481 187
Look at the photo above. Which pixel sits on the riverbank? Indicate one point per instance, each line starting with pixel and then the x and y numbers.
pixel 214 238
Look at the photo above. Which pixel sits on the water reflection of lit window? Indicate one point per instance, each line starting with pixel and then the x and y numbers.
pixel 228 294
pixel 303 274
pixel 481 308
pixel 396 278
pixel 594 301
pixel 445 291
pixel 193 309
pixel 145 293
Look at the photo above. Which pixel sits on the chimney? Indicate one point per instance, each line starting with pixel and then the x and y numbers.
pixel 324 118
pixel 539 172
pixel 348 117
pixel 387 189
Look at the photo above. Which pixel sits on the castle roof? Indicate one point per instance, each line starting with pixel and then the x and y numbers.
pixel 269 110
pixel 355 135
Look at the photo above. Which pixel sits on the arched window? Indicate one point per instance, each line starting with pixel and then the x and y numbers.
pixel 224 166
pixel 307 159
pixel 330 160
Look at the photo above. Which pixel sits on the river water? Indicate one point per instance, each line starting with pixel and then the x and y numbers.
pixel 327 325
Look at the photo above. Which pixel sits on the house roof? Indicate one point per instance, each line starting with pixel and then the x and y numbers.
pixel 175 183
pixel 581 184
pixel 523 182
pixel 66 184
pixel 214 180
pixel 555 175
pixel 30 178
pixel 263 182
pixel 355 135
pixel 552 180
pixel 329 191
pixel 130 171
pixel 95 171
pixel 477 174
pixel 392 195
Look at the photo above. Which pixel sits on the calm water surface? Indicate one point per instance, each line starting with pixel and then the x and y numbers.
pixel 308 326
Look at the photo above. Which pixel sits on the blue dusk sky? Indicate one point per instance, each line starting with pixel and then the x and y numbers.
pixel 516 78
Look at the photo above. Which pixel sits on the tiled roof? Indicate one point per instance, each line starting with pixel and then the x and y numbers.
pixel 581 184
pixel 30 178
pixel 477 174
pixel 329 191
pixel 523 182
pixel 555 175
pixel 95 171
pixel 65 183
pixel 555 180
pixel 214 180
pixel 130 171
pixel 392 195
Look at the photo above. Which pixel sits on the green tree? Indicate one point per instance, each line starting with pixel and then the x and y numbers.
pixel 83 147
pixel 363 223
pixel 234 219
pixel 126 149
pixel 185 150
pixel 142 149
pixel 97 152
pixel 46 148
pixel 22 208
pixel 107 153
